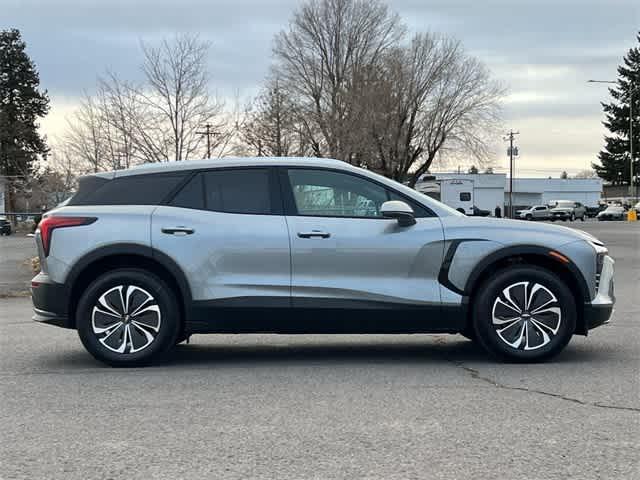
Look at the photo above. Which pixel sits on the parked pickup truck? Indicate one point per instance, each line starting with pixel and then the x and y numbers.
pixel 567 210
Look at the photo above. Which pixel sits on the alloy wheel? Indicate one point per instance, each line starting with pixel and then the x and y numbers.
pixel 526 315
pixel 126 319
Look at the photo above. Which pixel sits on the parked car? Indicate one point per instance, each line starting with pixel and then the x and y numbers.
pixel 612 213
pixel 592 212
pixel 479 212
pixel 537 212
pixel 5 226
pixel 567 210
pixel 140 259
pixel 637 208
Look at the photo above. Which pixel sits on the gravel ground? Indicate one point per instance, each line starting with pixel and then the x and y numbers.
pixel 16 252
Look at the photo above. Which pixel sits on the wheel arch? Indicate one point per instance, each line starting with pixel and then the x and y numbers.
pixel 122 256
pixel 530 255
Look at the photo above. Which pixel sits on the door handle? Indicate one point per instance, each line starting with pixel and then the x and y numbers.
pixel 178 231
pixel 314 233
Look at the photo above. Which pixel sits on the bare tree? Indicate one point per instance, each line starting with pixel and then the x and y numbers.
pixel 269 128
pixel 59 177
pixel 430 100
pixel 84 137
pixel 361 95
pixel 329 42
pixel 124 124
pixel 177 92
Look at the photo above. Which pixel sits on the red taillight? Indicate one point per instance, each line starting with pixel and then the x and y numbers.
pixel 49 224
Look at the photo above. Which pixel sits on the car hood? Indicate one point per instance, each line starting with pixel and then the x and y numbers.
pixel 508 231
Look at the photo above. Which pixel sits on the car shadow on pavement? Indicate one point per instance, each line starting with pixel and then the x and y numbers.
pixel 376 351
pixel 454 350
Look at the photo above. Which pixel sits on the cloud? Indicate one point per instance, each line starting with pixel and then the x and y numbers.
pixel 543 50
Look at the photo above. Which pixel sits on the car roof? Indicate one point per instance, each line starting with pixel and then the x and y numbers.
pixel 166 167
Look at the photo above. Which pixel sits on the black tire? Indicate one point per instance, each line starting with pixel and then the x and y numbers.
pixel 573 217
pixel 166 318
pixel 490 302
pixel 529 217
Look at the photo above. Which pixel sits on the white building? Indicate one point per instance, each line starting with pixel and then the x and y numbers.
pixel 491 190
pixel 488 189
pixel 541 191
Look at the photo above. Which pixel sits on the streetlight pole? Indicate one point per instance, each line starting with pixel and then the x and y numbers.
pixel 632 92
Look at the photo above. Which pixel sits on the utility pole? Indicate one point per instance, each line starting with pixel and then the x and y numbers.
pixel 208 132
pixel 513 151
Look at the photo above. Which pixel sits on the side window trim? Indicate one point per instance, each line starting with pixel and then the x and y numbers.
pixel 289 204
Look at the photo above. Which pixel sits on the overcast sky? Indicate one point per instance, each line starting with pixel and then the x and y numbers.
pixel 543 50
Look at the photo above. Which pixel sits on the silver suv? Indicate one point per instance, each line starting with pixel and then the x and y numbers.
pixel 567 210
pixel 140 259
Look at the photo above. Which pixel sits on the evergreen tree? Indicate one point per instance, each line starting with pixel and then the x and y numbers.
pixel 21 105
pixel 615 158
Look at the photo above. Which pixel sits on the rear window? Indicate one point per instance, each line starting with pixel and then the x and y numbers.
pixel 150 189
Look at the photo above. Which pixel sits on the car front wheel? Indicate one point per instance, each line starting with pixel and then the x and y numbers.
pixel 128 317
pixel 524 314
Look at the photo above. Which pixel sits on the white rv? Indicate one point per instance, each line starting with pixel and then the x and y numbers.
pixel 456 193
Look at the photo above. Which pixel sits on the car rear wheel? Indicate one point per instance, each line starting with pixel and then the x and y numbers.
pixel 524 314
pixel 128 317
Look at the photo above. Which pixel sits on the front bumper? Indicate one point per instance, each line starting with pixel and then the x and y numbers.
pixel 560 215
pixel 50 301
pixel 599 310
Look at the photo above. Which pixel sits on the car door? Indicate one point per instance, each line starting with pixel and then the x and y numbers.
pixel 345 254
pixel 226 231
pixel 540 212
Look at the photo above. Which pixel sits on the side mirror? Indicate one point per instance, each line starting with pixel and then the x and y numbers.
pixel 398 210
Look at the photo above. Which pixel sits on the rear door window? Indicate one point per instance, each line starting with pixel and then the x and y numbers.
pixel 245 191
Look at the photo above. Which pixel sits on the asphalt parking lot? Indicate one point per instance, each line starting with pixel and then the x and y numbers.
pixel 323 407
